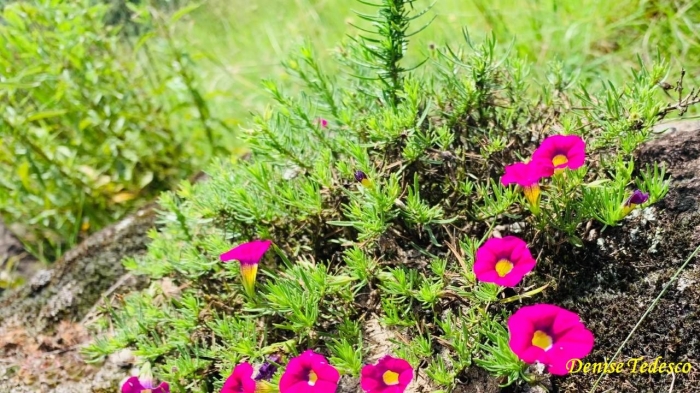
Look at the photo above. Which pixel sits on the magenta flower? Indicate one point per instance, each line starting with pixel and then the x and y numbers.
pixel 136 385
pixel 563 151
pixel 322 122
pixel 249 255
pixel 389 375
pixel 241 380
pixel 637 198
pixel 503 261
pixel 309 373
pixel 527 176
pixel 144 383
pixel 549 335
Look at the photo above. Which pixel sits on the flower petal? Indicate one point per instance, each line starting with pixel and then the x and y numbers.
pixel 323 386
pixel 289 383
pixel 163 388
pixel 510 280
pixel 132 385
pixel 247 253
pixel 326 372
pixel 298 387
pixel 240 380
pixel 405 377
pixel 369 378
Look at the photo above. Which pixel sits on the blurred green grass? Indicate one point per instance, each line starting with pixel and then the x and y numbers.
pixel 244 41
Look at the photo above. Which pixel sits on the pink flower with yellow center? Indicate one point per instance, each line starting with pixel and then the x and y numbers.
pixel 389 375
pixel 527 176
pixel 309 373
pixel 550 335
pixel 562 151
pixel 503 261
pixel 249 255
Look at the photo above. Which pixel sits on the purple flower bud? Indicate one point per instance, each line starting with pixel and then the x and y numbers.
pixel 268 369
pixel 637 198
pixel 360 176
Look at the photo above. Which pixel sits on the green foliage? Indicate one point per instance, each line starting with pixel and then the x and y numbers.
pixel 91 125
pixel 8 280
pixel 397 249
pixel 498 358
pixel 385 47
pixel 119 13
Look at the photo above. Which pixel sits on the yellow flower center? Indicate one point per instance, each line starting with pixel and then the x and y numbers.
pixel 390 378
pixel 542 340
pixel 559 159
pixel 146 391
pixel 248 273
pixel 264 387
pixel 312 378
pixel 503 267
pixel 627 209
pixel 532 194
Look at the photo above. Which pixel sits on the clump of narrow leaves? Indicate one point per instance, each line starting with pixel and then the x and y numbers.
pixel 373 218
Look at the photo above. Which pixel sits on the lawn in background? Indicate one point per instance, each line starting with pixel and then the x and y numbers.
pixel 241 41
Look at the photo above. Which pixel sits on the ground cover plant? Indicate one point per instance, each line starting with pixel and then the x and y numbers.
pixel 420 198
